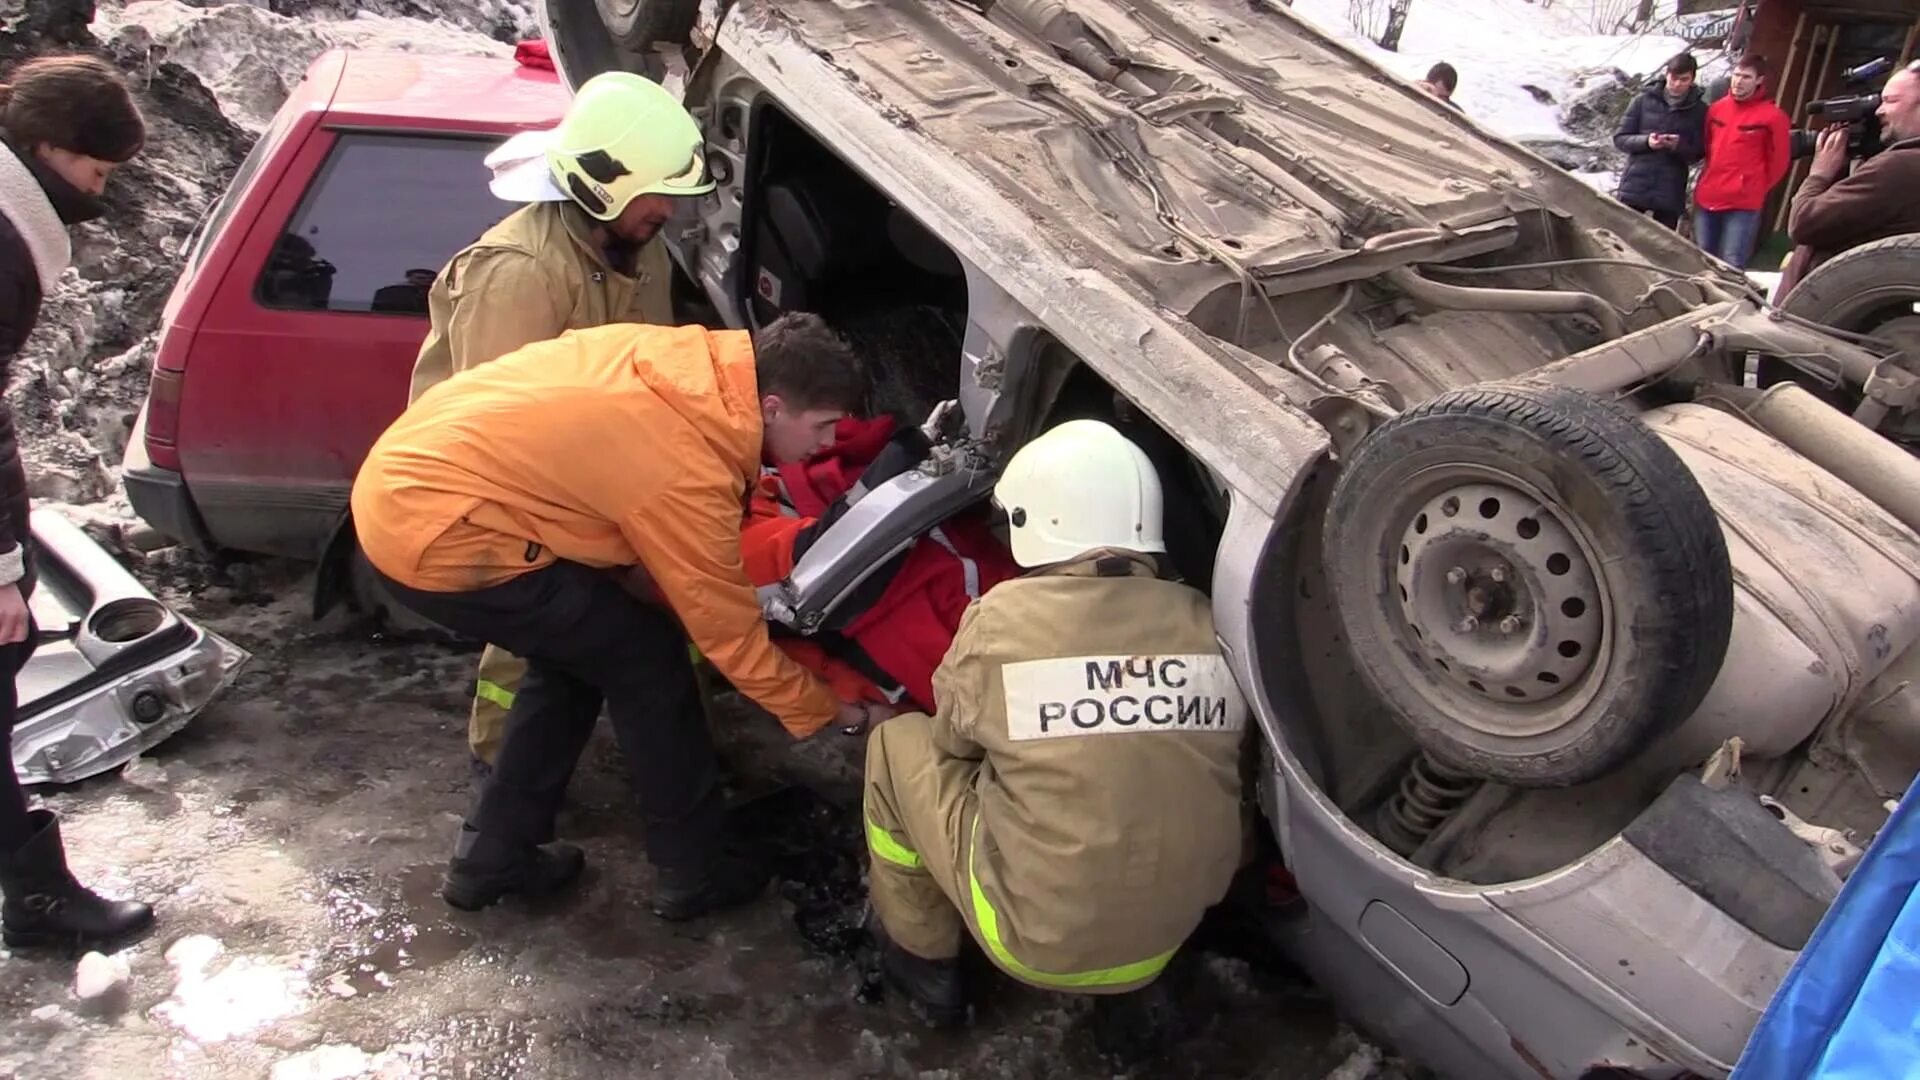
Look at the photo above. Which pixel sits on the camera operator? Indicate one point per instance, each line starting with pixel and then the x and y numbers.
pixel 1835 211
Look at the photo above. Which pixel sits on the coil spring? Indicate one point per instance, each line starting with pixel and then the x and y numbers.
pixel 1428 795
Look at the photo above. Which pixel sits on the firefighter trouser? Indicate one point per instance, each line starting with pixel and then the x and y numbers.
pixel 921 823
pixel 586 643
pixel 498 682
pixel 918 803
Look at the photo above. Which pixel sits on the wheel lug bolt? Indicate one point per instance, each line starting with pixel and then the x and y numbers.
pixel 1467 624
pixel 1456 575
pixel 1510 624
pixel 1497 575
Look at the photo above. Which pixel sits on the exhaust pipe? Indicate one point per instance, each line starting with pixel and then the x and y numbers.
pixel 1537 301
pixel 1829 438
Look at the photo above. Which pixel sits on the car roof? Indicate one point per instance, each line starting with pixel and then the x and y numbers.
pixel 450 93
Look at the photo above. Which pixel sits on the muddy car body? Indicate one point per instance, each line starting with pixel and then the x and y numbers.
pixel 1579 664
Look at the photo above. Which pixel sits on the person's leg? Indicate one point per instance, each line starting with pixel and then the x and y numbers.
pixel 639 657
pixel 43 904
pixel 583 636
pixel 1669 218
pixel 494 687
pixel 1739 230
pixel 545 733
pixel 15 828
pixel 917 808
pixel 505 845
pixel 1706 231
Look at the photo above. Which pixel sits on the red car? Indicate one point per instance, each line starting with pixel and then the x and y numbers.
pixel 287 344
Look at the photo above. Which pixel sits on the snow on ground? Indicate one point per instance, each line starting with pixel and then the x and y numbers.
pixel 1500 47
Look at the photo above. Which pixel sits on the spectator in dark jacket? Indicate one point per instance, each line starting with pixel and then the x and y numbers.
pixel 65 124
pixel 1834 211
pixel 1663 133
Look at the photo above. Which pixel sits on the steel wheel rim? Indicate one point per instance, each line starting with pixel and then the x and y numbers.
pixel 1495 599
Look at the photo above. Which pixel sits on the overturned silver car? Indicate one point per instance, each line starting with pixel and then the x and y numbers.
pixel 1585 661
pixel 114 672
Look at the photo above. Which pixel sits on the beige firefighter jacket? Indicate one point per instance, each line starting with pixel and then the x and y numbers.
pixel 1110 729
pixel 533 277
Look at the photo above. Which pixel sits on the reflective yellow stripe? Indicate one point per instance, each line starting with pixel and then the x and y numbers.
pixel 885 846
pixel 989 922
pixel 488 690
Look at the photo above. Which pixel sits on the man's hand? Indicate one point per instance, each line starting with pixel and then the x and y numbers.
pixel 861 717
pixel 1663 141
pixel 1830 154
pixel 13 615
pixel 938 420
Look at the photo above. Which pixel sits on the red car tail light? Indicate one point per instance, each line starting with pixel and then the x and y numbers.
pixel 163 417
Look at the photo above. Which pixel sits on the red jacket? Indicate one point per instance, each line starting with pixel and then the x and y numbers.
pixel 908 628
pixel 1748 154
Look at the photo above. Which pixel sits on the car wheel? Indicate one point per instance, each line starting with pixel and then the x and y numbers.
pixel 1530 580
pixel 1872 289
pixel 638 25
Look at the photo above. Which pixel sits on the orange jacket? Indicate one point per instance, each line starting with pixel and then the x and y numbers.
pixel 608 447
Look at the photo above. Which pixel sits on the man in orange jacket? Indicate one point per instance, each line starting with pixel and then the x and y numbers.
pixel 505 503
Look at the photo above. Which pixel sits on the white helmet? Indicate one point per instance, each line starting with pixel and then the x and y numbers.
pixel 1079 487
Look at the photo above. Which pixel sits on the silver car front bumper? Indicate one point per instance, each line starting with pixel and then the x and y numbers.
pixel 115 671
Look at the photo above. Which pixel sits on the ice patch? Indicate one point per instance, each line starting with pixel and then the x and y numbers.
pixel 97 975
pixel 240 996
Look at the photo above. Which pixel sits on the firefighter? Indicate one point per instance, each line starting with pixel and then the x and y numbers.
pixel 1074 800
pixel 508 503
pixel 584 252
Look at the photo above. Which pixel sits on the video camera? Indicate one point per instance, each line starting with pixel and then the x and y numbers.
pixel 1859 111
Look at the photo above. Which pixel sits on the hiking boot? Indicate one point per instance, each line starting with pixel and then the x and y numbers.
pixel 1131 1028
pixel 728 881
pixel 44 905
pixel 931 987
pixel 483 872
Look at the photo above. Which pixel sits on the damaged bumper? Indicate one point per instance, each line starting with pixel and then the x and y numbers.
pixel 115 671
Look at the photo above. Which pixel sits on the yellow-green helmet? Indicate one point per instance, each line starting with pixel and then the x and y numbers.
pixel 625 136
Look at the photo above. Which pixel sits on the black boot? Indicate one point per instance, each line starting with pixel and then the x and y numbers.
pixel 681 893
pixel 931 987
pixel 484 870
pixel 46 906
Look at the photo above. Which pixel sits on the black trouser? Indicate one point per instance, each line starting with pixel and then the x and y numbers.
pixel 14 827
pixel 585 641
pixel 1669 218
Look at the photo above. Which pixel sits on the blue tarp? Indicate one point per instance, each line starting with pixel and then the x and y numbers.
pixel 1850 1007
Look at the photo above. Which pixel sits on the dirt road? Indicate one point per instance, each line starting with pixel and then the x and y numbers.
pixel 292 839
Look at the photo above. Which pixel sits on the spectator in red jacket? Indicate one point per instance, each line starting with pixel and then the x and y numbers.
pixel 1748 153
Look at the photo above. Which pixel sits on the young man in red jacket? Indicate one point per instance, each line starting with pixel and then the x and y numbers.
pixel 1748 153
pixel 882 645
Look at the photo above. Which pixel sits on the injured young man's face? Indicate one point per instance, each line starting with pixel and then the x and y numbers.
pixel 790 435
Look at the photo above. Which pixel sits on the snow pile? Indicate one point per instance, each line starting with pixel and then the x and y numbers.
pixel 1535 74
pixel 251 58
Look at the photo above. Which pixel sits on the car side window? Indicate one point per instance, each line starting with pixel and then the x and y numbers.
pixel 379 221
